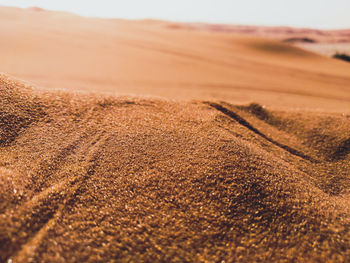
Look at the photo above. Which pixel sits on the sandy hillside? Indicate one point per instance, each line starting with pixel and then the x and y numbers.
pixel 129 141
pixel 61 50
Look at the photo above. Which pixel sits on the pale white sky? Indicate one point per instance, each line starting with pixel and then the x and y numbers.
pixel 325 14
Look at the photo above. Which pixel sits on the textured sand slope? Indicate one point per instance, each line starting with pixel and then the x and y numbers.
pixel 90 178
pixel 61 50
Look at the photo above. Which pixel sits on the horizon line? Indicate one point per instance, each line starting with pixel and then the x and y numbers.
pixel 179 20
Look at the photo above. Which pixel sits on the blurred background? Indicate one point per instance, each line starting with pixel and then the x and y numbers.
pixel 322 14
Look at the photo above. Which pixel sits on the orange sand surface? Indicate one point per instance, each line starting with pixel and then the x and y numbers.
pixel 64 51
pixel 129 141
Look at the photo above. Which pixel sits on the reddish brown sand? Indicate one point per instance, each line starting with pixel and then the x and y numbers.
pixel 108 178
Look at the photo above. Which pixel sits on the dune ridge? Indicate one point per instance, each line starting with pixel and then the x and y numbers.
pixel 146 57
pixel 89 177
pixel 325 42
pixel 281 32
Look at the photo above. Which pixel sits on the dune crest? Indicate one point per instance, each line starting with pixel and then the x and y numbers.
pixel 132 178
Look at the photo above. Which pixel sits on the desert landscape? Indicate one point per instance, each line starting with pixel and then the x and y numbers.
pixel 147 140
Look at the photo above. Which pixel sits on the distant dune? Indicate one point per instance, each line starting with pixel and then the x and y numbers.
pixel 281 33
pixel 62 51
pixel 129 141
pixel 325 42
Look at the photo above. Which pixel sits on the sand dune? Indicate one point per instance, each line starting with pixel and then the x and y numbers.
pixel 132 141
pixel 281 33
pixel 325 42
pixel 60 50
pixel 95 178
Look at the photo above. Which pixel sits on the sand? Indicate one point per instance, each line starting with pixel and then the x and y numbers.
pixel 63 51
pixel 324 42
pixel 129 141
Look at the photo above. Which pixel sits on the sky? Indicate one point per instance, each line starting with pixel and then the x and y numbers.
pixel 323 14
